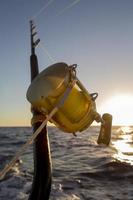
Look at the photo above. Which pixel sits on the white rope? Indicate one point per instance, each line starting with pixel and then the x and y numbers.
pixel 36 133
pixel 29 142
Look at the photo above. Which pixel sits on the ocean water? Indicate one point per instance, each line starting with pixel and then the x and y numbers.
pixel 82 169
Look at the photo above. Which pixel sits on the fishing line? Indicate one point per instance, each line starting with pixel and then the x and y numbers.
pixel 68 7
pixel 42 9
pixel 47 53
pixel 60 13
pixel 37 15
pixel 45 50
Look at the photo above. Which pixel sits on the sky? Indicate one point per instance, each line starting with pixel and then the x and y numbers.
pixel 97 35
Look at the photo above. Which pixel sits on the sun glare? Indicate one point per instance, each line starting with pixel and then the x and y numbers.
pixel 121 107
pixel 124 145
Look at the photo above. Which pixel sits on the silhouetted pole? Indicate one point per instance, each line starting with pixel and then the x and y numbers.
pixel 41 185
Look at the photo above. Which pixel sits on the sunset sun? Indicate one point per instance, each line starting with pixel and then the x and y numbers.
pixel 121 107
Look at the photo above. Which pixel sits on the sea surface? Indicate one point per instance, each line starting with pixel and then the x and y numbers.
pixel 82 169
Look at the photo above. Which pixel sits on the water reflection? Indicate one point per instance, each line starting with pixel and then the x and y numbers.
pixel 124 145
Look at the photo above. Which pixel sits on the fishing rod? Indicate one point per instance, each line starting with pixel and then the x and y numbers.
pixel 41 185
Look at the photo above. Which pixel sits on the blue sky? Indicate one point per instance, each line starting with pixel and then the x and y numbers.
pixel 95 34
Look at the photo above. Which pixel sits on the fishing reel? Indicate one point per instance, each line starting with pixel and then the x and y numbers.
pixel 58 87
